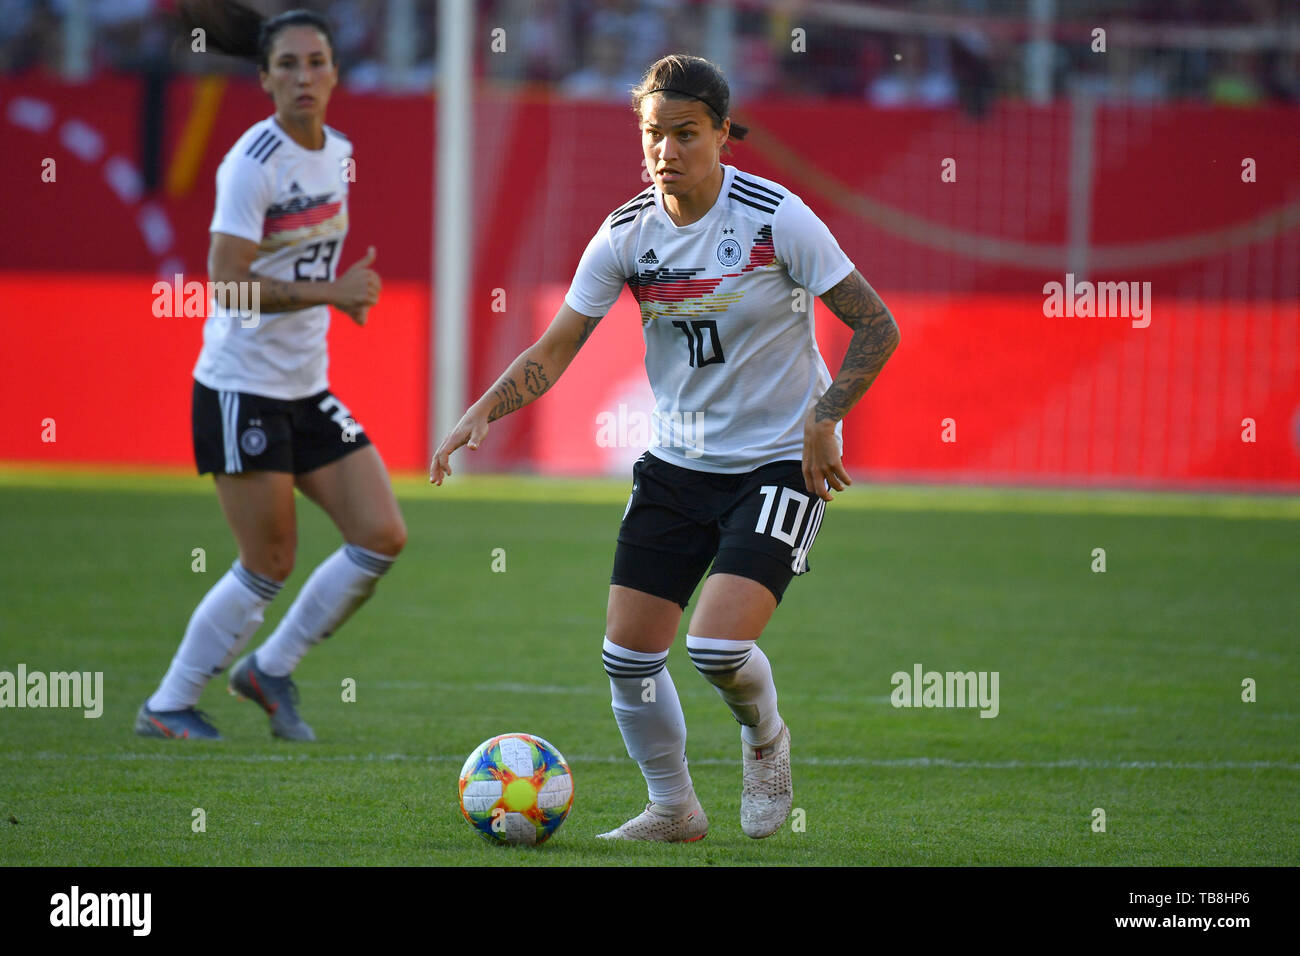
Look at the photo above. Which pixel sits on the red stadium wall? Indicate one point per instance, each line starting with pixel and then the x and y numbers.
pixel 961 264
pixel 116 381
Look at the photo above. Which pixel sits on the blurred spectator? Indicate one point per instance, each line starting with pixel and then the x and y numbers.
pixel 919 76
pixel 596 49
pixel 757 70
pixel 1281 77
pixel 547 42
pixel 1232 81
pixel 28 35
pixel 607 76
pixel 361 37
pixel 639 24
pixel 356 30
pixel 972 67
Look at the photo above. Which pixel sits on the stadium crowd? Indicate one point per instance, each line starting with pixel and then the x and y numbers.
pixel 595 49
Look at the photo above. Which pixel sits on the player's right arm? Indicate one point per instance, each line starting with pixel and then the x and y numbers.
pixel 529 376
pixel 244 192
pixel 230 259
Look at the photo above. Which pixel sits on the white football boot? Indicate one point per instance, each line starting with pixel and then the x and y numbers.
pixel 665 825
pixel 768 791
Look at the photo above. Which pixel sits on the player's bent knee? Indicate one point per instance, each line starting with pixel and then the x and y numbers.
pixel 393 539
pixel 640 621
pixel 276 563
pixel 640 639
pixel 388 539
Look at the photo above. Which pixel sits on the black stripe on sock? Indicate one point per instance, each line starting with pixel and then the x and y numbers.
pixel 648 672
pixel 721 670
pixel 367 562
pixel 616 666
pixel 263 587
pixel 610 656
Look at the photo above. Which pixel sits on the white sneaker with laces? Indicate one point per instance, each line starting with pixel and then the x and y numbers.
pixel 664 824
pixel 768 791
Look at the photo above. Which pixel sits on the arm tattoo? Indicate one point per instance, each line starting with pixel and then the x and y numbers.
pixel 588 327
pixel 278 294
pixel 875 336
pixel 535 379
pixel 855 302
pixel 507 398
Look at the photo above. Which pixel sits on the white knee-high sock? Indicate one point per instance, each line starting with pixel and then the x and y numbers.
pixel 219 628
pixel 743 676
pixel 341 584
pixel 650 718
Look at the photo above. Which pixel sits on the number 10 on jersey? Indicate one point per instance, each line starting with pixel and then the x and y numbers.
pixel 702 353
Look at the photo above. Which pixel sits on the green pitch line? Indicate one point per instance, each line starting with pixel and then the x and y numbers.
pixel 862 496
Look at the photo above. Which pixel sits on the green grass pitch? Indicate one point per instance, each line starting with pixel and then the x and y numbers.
pixel 1119 690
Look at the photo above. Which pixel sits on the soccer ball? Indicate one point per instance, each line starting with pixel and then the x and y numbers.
pixel 516 789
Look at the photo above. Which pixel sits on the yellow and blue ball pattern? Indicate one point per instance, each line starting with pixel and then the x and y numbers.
pixel 516 789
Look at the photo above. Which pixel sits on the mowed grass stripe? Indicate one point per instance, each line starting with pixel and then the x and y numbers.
pixel 936 763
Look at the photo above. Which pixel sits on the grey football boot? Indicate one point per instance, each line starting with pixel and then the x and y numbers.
pixel 188 724
pixel 278 696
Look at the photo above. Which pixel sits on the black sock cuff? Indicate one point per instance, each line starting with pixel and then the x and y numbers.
pixel 259 584
pixel 372 562
pixel 620 663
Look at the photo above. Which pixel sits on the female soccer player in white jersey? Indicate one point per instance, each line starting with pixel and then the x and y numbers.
pixel 715 257
pixel 265 420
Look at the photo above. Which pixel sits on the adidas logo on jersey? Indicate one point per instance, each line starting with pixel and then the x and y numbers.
pixel 649 259
pixel 294 187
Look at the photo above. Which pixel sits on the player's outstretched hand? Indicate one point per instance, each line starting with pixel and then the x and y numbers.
pixel 470 430
pixel 821 459
pixel 358 288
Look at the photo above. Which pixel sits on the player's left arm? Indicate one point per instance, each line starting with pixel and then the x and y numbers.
pixel 875 336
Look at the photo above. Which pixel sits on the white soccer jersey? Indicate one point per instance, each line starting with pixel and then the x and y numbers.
pixel 732 361
pixel 293 202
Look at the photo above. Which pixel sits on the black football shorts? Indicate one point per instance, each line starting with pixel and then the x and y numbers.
pixel 236 432
pixel 758 525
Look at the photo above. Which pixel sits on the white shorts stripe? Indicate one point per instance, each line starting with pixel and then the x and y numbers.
pixel 234 431
pixel 225 425
pixel 800 564
pixel 230 431
pixel 225 432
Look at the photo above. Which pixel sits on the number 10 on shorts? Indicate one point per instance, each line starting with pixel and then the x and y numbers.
pixel 778 528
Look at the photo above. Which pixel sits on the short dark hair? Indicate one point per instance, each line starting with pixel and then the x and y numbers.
pixel 680 76
pixel 237 30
